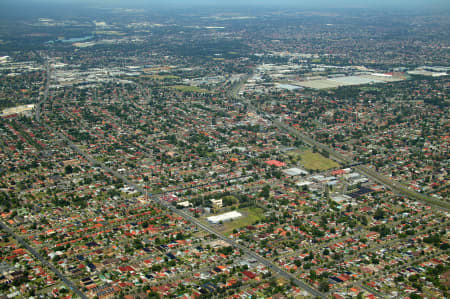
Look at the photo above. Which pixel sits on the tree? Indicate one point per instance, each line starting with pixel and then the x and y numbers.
pixel 312 275
pixel 265 192
pixel 379 214
pixel 68 169
pixel 324 286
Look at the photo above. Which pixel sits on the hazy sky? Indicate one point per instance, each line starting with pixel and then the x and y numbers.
pixel 445 4
pixel 14 9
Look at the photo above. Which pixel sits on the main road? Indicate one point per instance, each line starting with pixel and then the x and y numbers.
pixel 165 204
pixel 46 263
pixel 19 239
pixel 370 173
pixel 45 98
pixel 191 219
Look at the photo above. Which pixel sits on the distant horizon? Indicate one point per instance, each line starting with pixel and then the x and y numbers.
pixel 317 4
pixel 26 9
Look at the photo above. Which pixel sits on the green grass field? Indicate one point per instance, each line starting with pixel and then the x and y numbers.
pixel 296 155
pixel 315 161
pixel 249 216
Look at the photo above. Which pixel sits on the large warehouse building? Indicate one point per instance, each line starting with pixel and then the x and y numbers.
pixel 224 217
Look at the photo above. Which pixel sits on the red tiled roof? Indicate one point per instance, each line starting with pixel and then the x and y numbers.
pixel 275 163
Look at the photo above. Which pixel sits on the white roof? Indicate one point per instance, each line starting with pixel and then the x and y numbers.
pixel 340 198
pixel 185 204
pixel 224 217
pixel 294 171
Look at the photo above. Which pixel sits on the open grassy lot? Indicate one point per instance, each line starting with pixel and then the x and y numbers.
pixel 296 155
pixel 315 161
pixel 163 77
pixel 186 88
pixel 249 216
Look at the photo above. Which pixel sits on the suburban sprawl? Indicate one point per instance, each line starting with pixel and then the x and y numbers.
pixel 201 154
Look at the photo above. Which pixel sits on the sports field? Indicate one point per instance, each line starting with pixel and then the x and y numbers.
pixel 315 161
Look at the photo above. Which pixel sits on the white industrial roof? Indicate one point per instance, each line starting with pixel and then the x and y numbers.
pixel 224 217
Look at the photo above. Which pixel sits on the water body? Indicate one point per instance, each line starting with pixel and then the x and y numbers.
pixel 71 40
